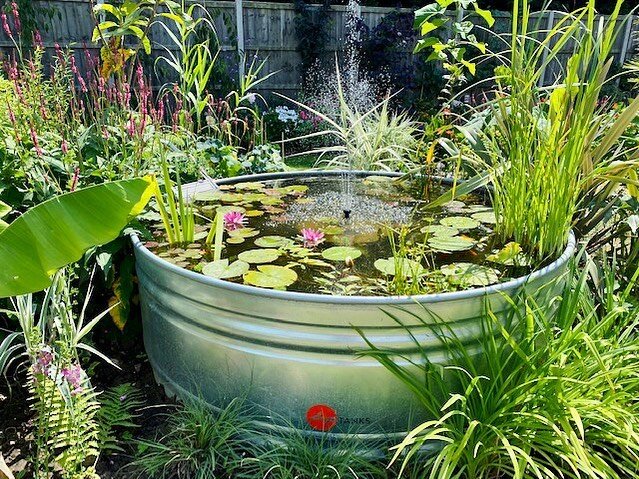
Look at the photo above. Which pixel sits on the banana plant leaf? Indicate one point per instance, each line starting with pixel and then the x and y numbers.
pixel 60 230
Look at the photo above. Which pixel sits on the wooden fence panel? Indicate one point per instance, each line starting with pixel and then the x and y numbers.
pixel 269 34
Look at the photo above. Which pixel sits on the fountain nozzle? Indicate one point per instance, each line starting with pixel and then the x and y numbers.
pixel 347 214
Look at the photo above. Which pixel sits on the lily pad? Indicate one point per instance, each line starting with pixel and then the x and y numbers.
pixel 235 240
pixel 231 197
pixel 392 266
pixel 269 276
pixel 470 274
pixel 295 189
pixel 221 269
pixel 258 256
pixel 200 235
pixel 316 262
pixel 250 185
pixel 341 253
pixel 487 217
pixel 333 230
pixel 273 242
pixel 448 244
pixel 460 222
pixel 439 230
pixel 228 208
pixel 251 213
pixel 244 233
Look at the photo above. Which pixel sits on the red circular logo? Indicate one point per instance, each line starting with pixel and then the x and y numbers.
pixel 321 417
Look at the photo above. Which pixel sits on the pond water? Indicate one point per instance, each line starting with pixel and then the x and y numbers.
pixel 295 234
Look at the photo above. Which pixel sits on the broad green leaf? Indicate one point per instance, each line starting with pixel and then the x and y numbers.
pixel 487 217
pixel 508 255
pixel 221 269
pixel 470 274
pixel 59 231
pixel 449 244
pixel 269 276
pixel 257 256
pixel 394 266
pixel 460 222
pixel 485 14
pixel 273 242
pixel 341 253
pixel 439 230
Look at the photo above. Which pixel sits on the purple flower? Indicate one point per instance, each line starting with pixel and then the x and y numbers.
pixel 43 361
pixel 234 220
pixel 73 375
pixel 312 237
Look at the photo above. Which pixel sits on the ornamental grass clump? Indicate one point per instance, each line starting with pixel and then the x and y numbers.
pixel 553 394
pixel 548 149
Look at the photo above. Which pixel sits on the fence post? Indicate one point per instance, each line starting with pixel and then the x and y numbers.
pixel 626 39
pixel 239 19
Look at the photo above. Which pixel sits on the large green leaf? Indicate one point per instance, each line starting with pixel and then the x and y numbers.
pixel 60 230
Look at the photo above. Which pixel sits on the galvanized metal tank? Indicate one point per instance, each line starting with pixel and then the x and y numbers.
pixel 293 355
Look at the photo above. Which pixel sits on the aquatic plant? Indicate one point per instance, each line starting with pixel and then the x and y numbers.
pixel 549 151
pixel 234 220
pixel 312 237
pixel 554 397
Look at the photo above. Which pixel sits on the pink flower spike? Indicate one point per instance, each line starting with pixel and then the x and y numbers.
pixel 312 237
pixel 234 220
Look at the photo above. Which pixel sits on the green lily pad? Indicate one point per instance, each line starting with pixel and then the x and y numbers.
pixel 448 244
pixel 271 201
pixel 228 208
pixel 210 195
pixel 250 185
pixel 258 256
pixel 221 269
pixel 341 253
pixel 439 230
pixel 470 274
pixel 269 276
pixel 244 233
pixel 315 262
pixel 487 217
pixel 460 222
pixel 231 197
pixel 235 240
pixel 332 230
pixel 393 266
pixel 273 242
pixel 252 213
pixel 295 189
pixel 200 235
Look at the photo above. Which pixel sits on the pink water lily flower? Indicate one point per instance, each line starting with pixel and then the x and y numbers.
pixel 312 237
pixel 234 220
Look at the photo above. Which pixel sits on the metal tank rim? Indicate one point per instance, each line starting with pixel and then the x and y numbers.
pixel 503 287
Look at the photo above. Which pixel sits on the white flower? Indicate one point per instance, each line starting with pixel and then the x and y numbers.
pixel 251 98
pixel 285 114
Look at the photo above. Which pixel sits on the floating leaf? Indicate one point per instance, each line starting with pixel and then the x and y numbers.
pixel 439 230
pixel 250 185
pixel 295 189
pixel 332 230
pixel 460 222
pixel 341 253
pixel 271 201
pixel 200 235
pixel 231 197
pixel 244 233
pixel 273 242
pixel 470 274
pixel 448 244
pixel 269 276
pixel 316 262
pixel 221 269
pixel 256 256
pixel 228 208
pixel 487 217
pixel 235 240
pixel 404 266
pixel 251 213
